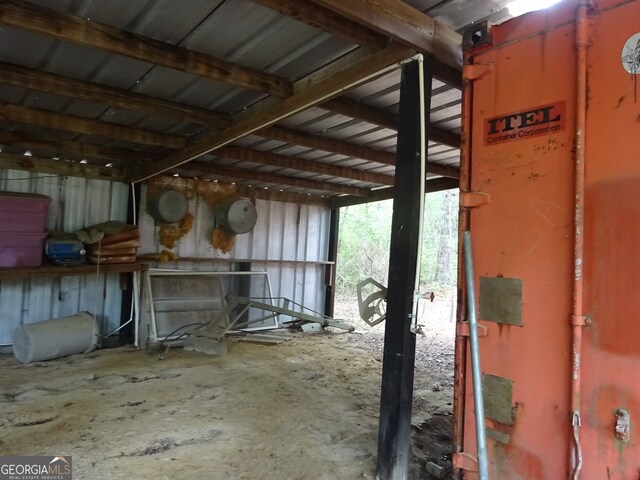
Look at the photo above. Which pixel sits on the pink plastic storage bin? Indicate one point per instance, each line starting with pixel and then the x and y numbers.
pixel 20 249
pixel 23 212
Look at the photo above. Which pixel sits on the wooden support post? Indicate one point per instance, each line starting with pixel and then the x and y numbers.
pixel 394 436
pixel 127 333
pixel 330 270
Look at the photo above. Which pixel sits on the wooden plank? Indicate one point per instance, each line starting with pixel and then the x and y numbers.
pixel 375 116
pixel 329 21
pixel 150 257
pixel 113 97
pixel 277 195
pixel 431 185
pixel 326 20
pixel 93 92
pixel 50 271
pixel 354 109
pixel 405 24
pixel 255 176
pixel 398 362
pixel 266 158
pixel 345 148
pixel 69 149
pixel 82 31
pixel 328 144
pixel 59 121
pixel 309 91
pixel 60 167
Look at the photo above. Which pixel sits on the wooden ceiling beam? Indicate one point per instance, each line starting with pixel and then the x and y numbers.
pixel 274 195
pixel 60 167
pixel 348 149
pixel 347 72
pixel 375 116
pixel 324 19
pixel 92 92
pixel 431 185
pixel 59 121
pixel 86 32
pixel 297 137
pixel 294 163
pixel 404 24
pixel 316 15
pixel 208 168
pixel 114 97
pixel 360 111
pixel 72 149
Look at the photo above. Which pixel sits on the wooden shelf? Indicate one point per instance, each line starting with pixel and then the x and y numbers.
pixel 62 271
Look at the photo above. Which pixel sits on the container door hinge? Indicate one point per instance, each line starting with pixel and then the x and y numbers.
pixel 462 329
pixel 465 461
pixel 475 71
pixel 474 199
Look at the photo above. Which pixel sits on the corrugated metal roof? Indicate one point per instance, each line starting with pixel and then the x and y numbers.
pixel 237 31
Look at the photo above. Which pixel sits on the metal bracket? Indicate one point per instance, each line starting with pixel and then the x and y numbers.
pixel 474 71
pixel 465 461
pixel 462 329
pixel 474 199
pixel 581 320
pixel 623 424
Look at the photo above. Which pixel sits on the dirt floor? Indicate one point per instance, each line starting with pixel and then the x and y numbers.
pixel 303 409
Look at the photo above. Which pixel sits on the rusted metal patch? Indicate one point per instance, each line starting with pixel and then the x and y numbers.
pixel 501 300
pixel 498 399
pixel 499 437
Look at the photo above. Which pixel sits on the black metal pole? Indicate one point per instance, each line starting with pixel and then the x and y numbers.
pixel 394 436
pixel 126 334
pixel 332 256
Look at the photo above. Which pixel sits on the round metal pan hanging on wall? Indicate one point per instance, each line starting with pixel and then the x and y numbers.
pixel 167 206
pixel 236 215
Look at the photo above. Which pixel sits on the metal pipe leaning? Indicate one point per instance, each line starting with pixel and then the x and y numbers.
pixel 478 401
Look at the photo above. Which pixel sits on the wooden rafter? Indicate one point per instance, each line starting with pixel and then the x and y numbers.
pixel 326 20
pixel 346 148
pixel 294 163
pixel 207 168
pixel 403 23
pixel 93 92
pixel 113 97
pixel 276 195
pixel 308 12
pixel 59 121
pixel 375 116
pixel 82 31
pixel 431 185
pixel 328 144
pixel 73 149
pixel 59 167
pixel 309 91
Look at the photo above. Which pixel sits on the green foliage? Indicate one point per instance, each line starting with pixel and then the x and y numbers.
pixel 365 231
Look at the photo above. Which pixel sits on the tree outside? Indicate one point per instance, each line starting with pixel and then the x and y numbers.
pixel 363 247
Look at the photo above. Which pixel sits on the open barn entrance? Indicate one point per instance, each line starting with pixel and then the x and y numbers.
pixel 363 252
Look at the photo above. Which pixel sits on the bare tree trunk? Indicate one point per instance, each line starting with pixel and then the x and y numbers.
pixel 446 247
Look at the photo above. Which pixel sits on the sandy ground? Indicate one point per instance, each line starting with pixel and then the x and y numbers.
pixel 303 409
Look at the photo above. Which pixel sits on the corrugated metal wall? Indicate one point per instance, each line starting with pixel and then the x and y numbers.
pixel 76 203
pixel 285 242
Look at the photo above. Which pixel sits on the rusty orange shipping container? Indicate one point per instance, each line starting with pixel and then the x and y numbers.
pixel 551 195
